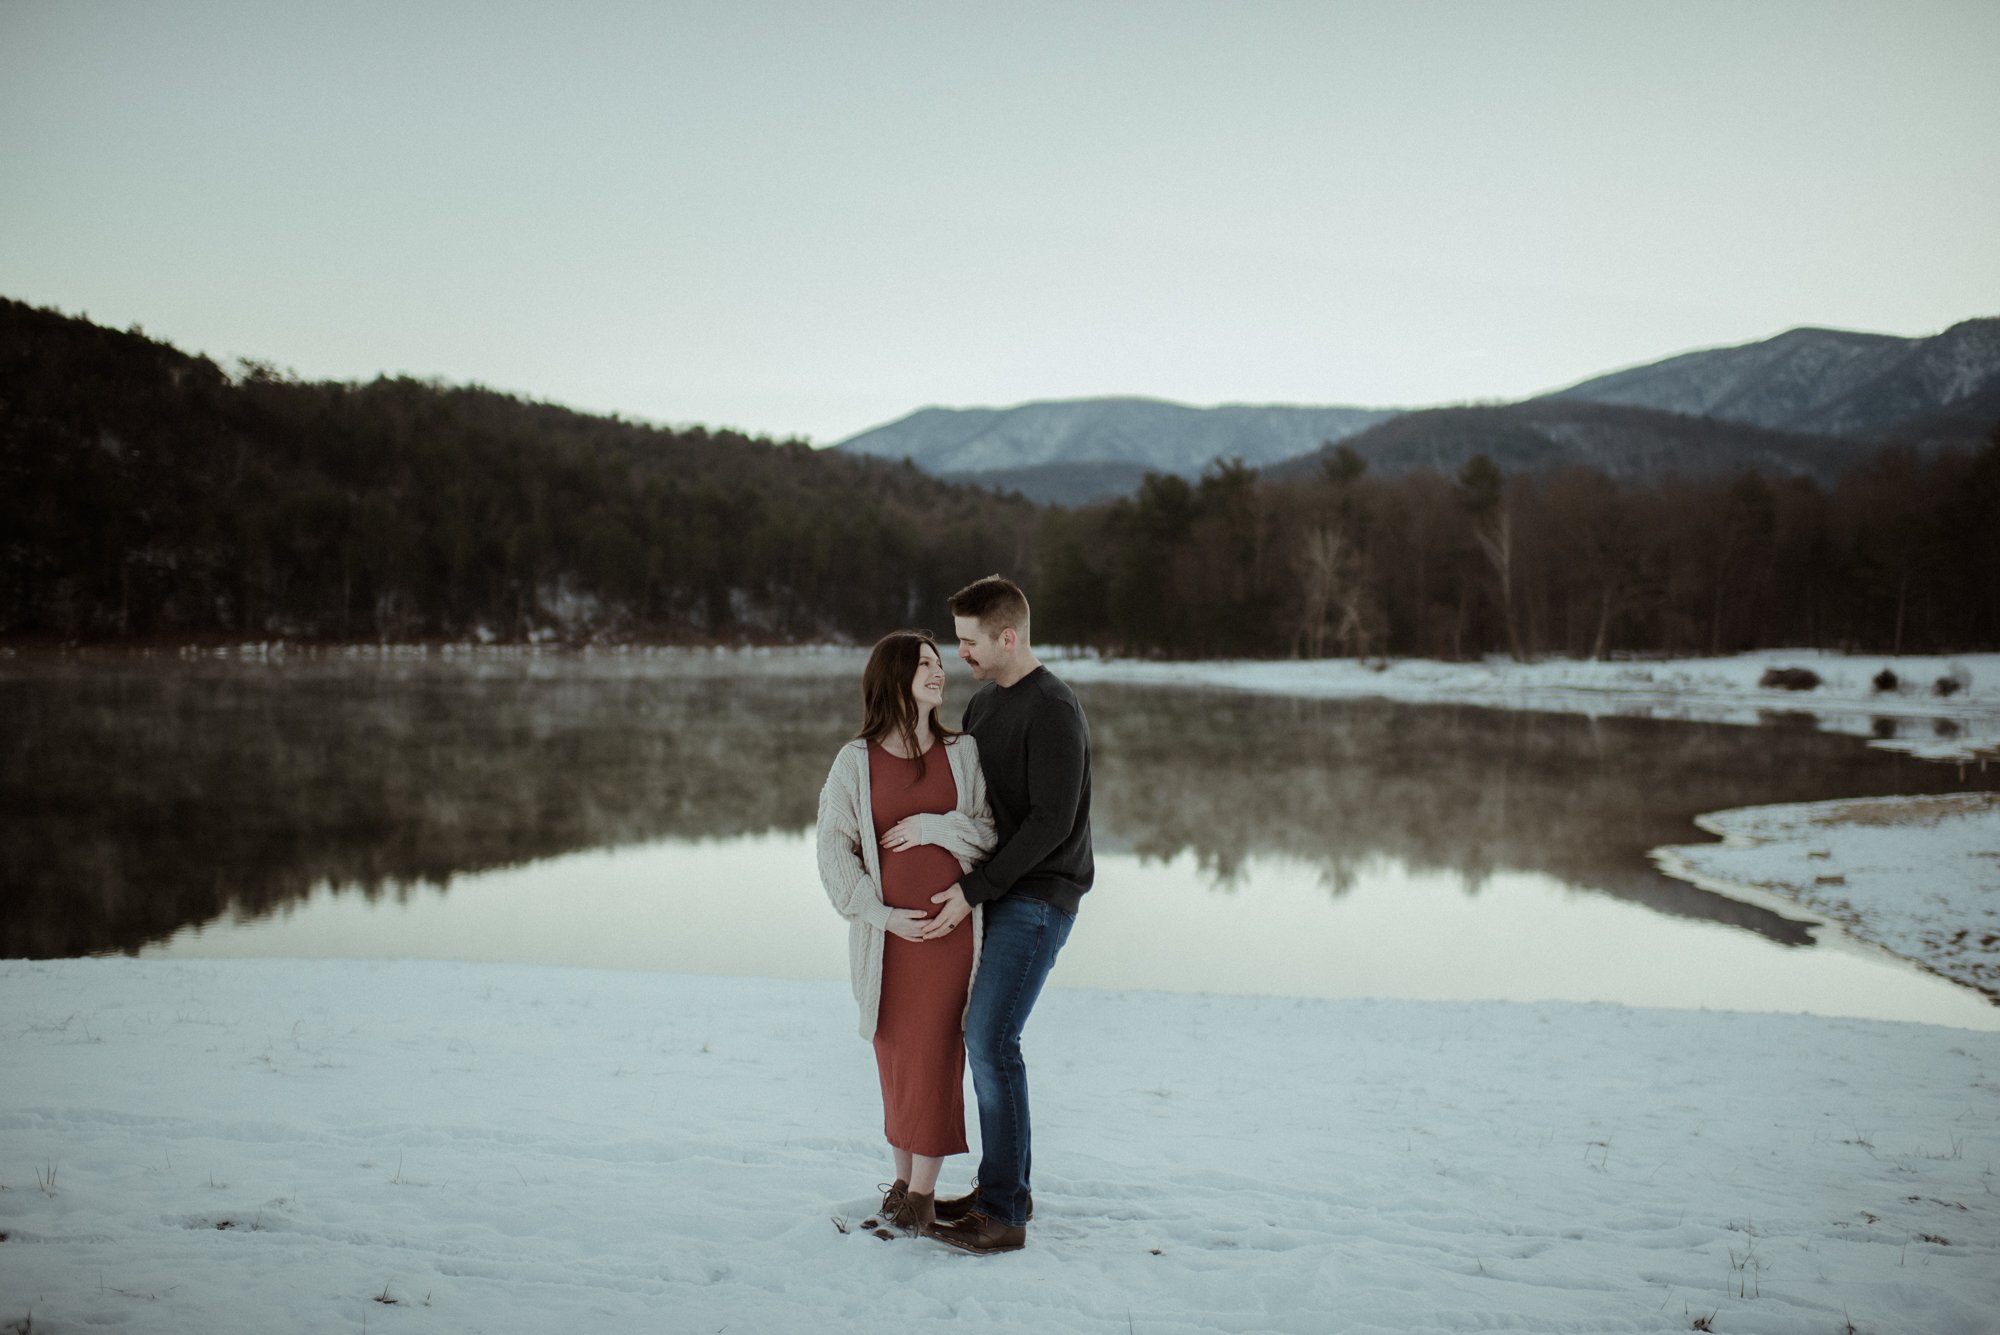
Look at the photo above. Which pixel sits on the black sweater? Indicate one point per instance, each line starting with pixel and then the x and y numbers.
pixel 1034 747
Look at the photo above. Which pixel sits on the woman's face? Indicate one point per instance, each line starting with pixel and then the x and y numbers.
pixel 928 687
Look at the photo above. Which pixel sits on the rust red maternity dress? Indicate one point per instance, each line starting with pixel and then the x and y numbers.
pixel 919 1041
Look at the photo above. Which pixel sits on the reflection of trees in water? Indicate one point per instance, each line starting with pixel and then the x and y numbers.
pixel 1454 788
pixel 144 796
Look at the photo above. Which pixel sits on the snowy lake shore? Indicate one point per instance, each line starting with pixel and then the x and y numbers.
pixel 1919 876
pixel 254 1146
pixel 1963 725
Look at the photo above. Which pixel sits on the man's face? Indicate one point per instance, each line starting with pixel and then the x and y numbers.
pixel 985 654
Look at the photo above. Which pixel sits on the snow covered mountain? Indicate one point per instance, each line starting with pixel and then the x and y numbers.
pixel 1821 381
pixel 1140 433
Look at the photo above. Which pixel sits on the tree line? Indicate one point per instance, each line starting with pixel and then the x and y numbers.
pixel 1900 554
pixel 146 493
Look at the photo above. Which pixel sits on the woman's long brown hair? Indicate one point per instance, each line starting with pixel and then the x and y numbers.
pixel 887 707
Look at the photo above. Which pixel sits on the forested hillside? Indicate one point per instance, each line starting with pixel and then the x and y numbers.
pixel 1548 436
pixel 145 493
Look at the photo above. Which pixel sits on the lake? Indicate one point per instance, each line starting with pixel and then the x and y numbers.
pixel 653 810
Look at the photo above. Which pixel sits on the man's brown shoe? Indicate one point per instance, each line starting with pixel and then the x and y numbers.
pixel 958 1207
pixel 980 1233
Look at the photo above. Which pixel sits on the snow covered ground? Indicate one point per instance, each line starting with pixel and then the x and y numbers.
pixel 1912 716
pixel 258 1146
pixel 1916 875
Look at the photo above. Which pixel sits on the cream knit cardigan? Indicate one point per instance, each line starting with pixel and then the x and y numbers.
pixel 850 861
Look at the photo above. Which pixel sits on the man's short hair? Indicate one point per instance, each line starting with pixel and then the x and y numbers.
pixel 995 602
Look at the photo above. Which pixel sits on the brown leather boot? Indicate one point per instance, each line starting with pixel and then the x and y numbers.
pixel 892 1201
pixel 980 1233
pixel 916 1213
pixel 958 1207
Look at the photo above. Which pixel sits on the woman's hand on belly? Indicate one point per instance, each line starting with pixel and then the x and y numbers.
pixel 908 923
pixel 904 834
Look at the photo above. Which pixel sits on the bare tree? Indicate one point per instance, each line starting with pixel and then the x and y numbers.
pixel 1493 527
pixel 1336 605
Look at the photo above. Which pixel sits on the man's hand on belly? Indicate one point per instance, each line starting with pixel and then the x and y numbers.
pixel 954 911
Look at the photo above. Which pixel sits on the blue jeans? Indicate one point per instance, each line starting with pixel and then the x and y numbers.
pixel 1021 939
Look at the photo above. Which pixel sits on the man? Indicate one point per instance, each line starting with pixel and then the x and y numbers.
pixel 1034 748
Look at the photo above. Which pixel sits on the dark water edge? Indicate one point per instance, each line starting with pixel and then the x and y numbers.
pixel 148 793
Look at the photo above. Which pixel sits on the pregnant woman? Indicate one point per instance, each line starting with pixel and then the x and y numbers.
pixel 902 815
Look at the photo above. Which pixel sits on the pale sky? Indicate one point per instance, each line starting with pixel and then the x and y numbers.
pixel 811 218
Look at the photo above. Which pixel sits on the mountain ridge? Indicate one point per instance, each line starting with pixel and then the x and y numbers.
pixel 1115 429
pixel 1797 403
pixel 1813 379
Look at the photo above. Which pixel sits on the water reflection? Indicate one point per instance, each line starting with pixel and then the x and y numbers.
pixel 1156 925
pixel 1469 791
pixel 145 796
